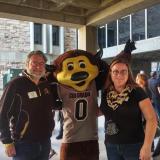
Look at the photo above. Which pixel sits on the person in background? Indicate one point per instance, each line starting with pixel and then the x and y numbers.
pixel 60 119
pixel 26 117
pixel 123 104
pixel 157 149
pixel 142 81
pixel 153 84
pixel 52 152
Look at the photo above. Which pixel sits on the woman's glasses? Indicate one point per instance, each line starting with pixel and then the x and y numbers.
pixel 121 72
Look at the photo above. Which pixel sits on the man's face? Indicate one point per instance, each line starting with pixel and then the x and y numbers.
pixel 36 66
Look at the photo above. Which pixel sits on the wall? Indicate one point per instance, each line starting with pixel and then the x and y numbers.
pixel 70 40
pixel 14 35
pixel 15 41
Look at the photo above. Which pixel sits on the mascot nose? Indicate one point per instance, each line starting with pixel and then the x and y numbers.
pixel 79 76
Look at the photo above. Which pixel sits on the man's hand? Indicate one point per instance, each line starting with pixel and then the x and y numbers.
pixel 10 150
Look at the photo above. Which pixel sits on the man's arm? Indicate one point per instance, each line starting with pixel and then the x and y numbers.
pixel 6 110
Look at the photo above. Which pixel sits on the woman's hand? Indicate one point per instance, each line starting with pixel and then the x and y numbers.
pixel 10 150
pixel 145 153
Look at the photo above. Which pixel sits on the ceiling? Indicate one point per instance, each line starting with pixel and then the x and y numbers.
pixel 78 12
pixel 70 7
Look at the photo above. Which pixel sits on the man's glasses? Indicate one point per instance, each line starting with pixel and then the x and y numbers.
pixel 35 64
pixel 117 72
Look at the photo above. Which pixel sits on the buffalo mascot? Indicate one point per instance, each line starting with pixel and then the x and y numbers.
pixel 79 75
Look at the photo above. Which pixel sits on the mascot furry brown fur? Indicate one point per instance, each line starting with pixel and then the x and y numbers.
pixel 80 75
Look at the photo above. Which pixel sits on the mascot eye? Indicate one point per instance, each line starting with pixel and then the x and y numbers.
pixel 82 65
pixel 70 66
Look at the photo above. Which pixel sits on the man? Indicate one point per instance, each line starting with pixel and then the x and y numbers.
pixel 26 117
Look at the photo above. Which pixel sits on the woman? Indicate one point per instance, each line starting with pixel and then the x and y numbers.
pixel 123 104
pixel 142 81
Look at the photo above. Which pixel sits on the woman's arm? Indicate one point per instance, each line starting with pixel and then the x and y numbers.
pixel 150 130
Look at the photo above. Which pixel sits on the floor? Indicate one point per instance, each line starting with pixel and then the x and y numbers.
pixel 56 143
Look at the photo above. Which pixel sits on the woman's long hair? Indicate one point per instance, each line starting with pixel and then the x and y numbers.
pixel 143 80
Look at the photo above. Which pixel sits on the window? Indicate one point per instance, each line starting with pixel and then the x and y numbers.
pixel 112 34
pixel 102 36
pixel 55 35
pixel 153 22
pixel 155 66
pixel 124 29
pixel 138 26
pixel 37 33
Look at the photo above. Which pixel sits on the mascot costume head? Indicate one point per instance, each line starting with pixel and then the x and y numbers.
pixel 78 68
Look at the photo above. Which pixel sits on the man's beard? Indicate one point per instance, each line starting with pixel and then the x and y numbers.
pixel 36 76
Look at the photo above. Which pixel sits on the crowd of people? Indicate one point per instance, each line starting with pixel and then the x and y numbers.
pixel 131 107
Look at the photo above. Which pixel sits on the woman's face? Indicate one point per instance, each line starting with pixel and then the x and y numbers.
pixel 119 75
pixel 140 81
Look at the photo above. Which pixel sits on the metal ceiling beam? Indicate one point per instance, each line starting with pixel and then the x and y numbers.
pixel 60 6
pixel 86 4
pixel 72 12
pixel 39 15
pixel 118 10
pixel 11 1
pixel 108 3
pixel 103 4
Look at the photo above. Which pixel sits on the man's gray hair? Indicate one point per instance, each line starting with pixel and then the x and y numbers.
pixel 37 52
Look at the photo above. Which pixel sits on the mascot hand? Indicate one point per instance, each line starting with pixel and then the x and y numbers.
pixel 103 72
pixel 103 68
pixel 50 68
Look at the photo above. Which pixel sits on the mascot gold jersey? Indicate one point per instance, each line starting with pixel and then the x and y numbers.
pixel 76 71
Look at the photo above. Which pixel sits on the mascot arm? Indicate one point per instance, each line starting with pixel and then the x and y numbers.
pixel 102 76
pixel 54 90
pixel 50 69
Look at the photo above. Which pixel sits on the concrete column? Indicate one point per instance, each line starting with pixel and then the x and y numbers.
pixel 106 35
pixel 130 27
pixel 146 29
pixel 117 33
pixel 61 44
pixel 44 36
pixel 87 38
pixel 31 36
pixel 50 39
